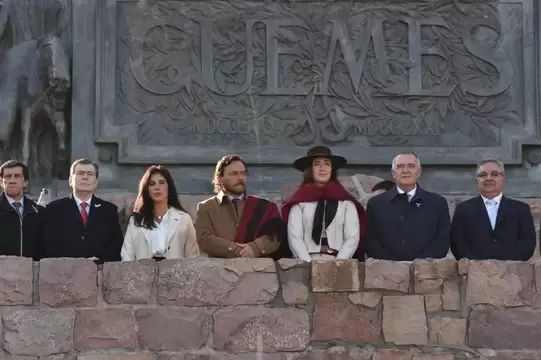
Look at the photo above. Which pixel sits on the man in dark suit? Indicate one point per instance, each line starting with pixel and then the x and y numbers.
pixel 83 225
pixel 492 226
pixel 21 219
pixel 407 222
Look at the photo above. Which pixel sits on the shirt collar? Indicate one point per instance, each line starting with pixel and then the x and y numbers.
pixel 497 199
pixel 79 201
pixel 411 193
pixel 11 201
pixel 221 195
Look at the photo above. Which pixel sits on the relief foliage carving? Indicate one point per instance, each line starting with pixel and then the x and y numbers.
pixel 384 73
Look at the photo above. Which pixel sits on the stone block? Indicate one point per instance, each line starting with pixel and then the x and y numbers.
pixel 16 278
pixel 104 329
pixel 38 332
pixel 509 329
pixel 128 282
pixel 429 275
pixel 392 354
pixel 451 295
pixel 205 281
pixel 335 276
pixel 446 356
pixel 207 355
pixel 446 331
pixel 404 320
pixel 128 356
pixel 367 299
pixel 68 282
pixel 260 329
pixel 387 275
pixel 295 282
pixel 514 355
pixel 172 329
pixel 463 266
pixel 499 283
pixel 433 303
pixel 336 318
pixel 337 353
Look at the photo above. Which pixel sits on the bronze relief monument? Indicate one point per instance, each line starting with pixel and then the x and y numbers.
pixel 183 82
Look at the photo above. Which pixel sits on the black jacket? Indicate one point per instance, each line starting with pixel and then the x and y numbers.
pixel 404 231
pixel 472 235
pixel 66 236
pixel 21 236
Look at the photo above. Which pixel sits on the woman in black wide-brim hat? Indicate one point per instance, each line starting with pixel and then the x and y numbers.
pixel 324 220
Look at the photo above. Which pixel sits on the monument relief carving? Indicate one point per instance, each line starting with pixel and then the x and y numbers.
pixel 195 78
pixel 34 86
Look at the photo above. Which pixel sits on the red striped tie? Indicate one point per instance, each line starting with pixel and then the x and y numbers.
pixel 84 214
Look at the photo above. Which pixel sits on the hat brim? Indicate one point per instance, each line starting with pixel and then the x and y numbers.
pixel 306 161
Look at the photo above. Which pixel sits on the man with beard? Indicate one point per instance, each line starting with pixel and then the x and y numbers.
pixel 234 224
pixel 492 226
pixel 407 222
pixel 21 219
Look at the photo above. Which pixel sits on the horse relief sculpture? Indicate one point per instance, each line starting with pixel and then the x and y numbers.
pixel 36 82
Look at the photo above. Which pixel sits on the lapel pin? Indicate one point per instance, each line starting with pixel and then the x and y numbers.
pixel 97 205
pixel 418 204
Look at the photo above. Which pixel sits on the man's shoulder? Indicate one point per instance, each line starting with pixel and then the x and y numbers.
pixel 59 202
pixel 37 208
pixel 518 204
pixel 105 203
pixel 205 204
pixel 435 197
pixel 379 199
pixel 259 199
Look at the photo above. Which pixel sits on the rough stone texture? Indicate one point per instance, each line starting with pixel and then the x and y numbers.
pixel 204 281
pixel 128 282
pixel 16 281
pixel 536 300
pixel 451 295
pixel 104 329
pixel 433 303
pixel 295 282
pixel 430 274
pixel 243 329
pixel 172 329
pixel 333 276
pixel 447 331
pixel 135 356
pixel 68 282
pixel 509 329
pixel 514 355
pixel 404 320
pixel 463 266
pixel 387 275
pixel 367 299
pixel 338 353
pixel 205 355
pixel 336 318
pixel 38 332
pixel 392 354
pixel 504 284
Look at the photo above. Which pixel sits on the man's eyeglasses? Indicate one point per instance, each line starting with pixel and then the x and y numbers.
pixel 493 175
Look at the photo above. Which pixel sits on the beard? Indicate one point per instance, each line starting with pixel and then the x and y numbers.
pixel 236 189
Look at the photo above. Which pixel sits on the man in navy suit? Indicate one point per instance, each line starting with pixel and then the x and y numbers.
pixel 407 222
pixel 82 225
pixel 492 226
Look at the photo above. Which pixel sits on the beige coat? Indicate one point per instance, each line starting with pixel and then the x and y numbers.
pixel 180 238
pixel 342 233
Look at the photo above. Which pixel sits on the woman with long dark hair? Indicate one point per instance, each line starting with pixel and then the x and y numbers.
pixel 159 228
pixel 324 221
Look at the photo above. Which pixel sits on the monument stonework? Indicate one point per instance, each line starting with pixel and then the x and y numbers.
pixel 184 82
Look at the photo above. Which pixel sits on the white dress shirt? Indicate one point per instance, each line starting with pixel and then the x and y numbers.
pixel 411 193
pixel 79 202
pixel 158 236
pixel 492 206
pixel 11 201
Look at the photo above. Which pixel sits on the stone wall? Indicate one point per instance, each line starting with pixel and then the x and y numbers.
pixel 242 309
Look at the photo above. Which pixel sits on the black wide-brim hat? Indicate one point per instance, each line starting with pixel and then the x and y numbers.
pixel 319 151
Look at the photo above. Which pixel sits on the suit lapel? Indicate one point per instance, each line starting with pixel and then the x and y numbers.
pixel 174 221
pixel 482 210
pixel 74 209
pixel 502 211
pixel 94 211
